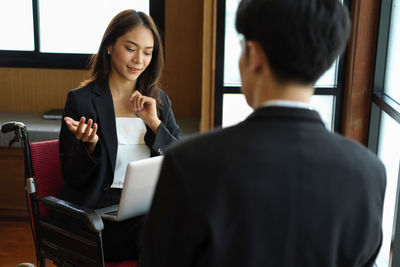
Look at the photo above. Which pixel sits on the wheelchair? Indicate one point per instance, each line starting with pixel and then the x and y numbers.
pixel 54 240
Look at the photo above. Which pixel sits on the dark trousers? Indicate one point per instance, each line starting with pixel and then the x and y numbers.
pixel 121 240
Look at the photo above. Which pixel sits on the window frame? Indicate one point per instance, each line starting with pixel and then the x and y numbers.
pixel 383 103
pixel 37 59
pixel 379 97
pixel 220 89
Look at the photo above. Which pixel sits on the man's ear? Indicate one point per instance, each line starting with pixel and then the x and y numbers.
pixel 257 59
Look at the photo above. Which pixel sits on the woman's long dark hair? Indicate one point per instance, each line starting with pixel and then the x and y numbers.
pixel 148 82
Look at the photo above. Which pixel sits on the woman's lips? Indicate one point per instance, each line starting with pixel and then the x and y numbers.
pixel 134 70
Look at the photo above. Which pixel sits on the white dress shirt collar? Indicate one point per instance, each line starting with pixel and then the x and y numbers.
pixel 286 103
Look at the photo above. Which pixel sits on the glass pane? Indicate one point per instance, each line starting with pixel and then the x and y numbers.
pixel 389 153
pixel 325 105
pixel 329 78
pixel 16 31
pixel 235 109
pixel 232 46
pixel 392 82
pixel 232 53
pixel 81 24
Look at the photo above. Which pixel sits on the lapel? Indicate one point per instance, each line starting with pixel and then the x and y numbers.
pixel 285 113
pixel 106 120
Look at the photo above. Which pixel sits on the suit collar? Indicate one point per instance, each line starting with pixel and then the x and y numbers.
pixel 104 105
pixel 285 113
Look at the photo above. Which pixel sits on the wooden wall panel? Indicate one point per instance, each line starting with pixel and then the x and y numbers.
pixel 36 90
pixel 208 64
pixel 12 194
pixel 183 45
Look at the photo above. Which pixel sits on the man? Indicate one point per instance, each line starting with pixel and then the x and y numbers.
pixel 278 189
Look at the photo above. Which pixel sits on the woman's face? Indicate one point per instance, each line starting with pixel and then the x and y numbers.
pixel 131 53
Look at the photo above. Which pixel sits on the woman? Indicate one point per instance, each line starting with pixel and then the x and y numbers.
pixel 120 115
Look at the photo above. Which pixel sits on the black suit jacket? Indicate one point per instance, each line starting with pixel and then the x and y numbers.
pixel 275 190
pixel 88 176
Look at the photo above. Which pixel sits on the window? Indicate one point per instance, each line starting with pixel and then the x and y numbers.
pixel 388 139
pixel 19 14
pixel 385 126
pixel 235 108
pixel 392 81
pixel 230 105
pixel 80 27
pixel 61 34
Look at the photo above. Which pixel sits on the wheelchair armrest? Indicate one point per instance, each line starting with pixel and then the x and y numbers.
pixel 88 216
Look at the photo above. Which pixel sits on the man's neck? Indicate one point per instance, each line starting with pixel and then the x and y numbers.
pixel 289 92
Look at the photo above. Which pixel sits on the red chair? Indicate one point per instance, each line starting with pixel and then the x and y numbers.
pixel 55 240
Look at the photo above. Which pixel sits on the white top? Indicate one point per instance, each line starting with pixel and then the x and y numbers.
pixel 131 146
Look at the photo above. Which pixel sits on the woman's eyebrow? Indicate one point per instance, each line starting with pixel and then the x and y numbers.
pixel 132 42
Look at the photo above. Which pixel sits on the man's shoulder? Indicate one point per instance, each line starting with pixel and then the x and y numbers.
pixel 357 154
pixel 352 145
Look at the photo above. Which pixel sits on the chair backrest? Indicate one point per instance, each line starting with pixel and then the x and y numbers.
pixel 46 167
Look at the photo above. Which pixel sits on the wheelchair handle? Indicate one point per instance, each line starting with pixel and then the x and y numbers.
pixel 12 126
pixel 20 132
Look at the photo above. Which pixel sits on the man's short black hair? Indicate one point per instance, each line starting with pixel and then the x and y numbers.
pixel 301 38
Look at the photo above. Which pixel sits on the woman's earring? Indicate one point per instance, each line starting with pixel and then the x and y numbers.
pixel 108 52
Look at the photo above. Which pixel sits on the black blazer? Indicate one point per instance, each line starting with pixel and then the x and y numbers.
pixel 276 190
pixel 88 176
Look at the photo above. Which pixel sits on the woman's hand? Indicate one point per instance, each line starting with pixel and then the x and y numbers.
pixel 84 132
pixel 146 108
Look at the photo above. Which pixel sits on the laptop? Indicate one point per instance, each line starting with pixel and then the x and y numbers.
pixel 140 181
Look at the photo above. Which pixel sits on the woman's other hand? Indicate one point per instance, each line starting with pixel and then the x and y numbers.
pixel 146 108
pixel 85 132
